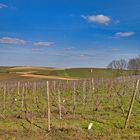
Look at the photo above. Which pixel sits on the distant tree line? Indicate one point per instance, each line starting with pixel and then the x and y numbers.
pixel 132 64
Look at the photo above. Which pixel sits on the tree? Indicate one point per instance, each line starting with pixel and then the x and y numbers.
pixel 118 64
pixel 134 64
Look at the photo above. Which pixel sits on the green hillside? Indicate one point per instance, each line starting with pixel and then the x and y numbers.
pixel 68 73
pixel 86 73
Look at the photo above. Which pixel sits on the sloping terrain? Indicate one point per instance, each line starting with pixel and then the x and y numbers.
pixel 30 73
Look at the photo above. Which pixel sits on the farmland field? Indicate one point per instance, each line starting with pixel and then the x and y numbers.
pixel 69 70
pixel 64 103
pixel 33 73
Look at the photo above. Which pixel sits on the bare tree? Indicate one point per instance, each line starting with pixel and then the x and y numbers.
pixel 134 64
pixel 118 64
pixel 122 64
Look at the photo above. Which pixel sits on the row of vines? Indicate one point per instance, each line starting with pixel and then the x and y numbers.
pixel 57 103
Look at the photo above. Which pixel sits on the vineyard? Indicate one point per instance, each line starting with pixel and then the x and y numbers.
pixel 63 109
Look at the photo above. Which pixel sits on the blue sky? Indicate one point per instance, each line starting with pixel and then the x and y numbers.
pixel 68 33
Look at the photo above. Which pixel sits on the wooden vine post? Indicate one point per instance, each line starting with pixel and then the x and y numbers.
pixel 22 97
pixel 84 94
pixel 4 100
pixel 74 99
pixel 59 106
pixel 49 112
pixel 18 88
pixel 131 105
pixel 34 92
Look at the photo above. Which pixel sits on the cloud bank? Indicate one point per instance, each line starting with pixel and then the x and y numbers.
pixel 45 44
pixel 3 6
pixel 9 40
pixel 100 19
pixel 124 34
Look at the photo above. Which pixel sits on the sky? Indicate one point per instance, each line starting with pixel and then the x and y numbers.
pixel 68 33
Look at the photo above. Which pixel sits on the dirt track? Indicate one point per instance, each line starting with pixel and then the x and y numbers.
pixel 46 77
pixel 32 68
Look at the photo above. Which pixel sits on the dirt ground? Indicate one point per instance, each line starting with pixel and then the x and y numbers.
pixel 46 77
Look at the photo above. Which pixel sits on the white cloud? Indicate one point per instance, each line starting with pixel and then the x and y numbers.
pixel 3 6
pixel 100 19
pixel 69 48
pixel 124 34
pixel 9 40
pixel 37 49
pixel 115 49
pixel 45 44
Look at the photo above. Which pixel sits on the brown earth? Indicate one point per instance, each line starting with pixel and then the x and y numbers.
pixel 47 77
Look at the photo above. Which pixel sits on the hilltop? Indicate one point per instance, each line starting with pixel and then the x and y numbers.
pixel 33 72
